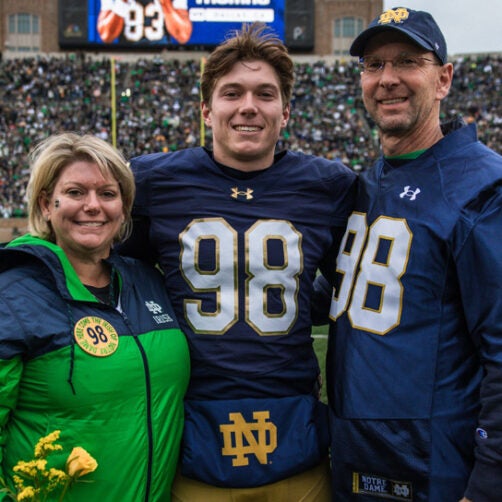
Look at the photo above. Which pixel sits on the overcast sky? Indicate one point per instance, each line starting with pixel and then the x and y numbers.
pixel 467 25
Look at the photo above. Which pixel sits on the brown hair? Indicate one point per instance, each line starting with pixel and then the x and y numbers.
pixel 253 42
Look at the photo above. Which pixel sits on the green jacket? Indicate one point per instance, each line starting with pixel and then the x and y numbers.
pixel 111 378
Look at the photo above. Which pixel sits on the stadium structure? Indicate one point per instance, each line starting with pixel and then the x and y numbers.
pixel 320 27
pixel 140 91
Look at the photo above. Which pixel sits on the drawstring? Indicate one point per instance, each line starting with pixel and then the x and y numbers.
pixel 72 349
pixel 112 290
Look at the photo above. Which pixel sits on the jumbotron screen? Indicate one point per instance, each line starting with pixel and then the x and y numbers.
pixel 126 24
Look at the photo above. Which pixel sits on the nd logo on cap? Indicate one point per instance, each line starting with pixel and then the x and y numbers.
pixel 394 15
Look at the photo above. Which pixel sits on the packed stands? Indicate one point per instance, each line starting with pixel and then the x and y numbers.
pixel 158 109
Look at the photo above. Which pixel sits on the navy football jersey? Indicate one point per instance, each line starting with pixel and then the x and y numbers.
pixel 240 257
pixel 417 309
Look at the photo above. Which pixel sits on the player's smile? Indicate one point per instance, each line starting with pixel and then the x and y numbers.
pixel 246 114
pixel 246 128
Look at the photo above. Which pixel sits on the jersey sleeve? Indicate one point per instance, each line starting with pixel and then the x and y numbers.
pixel 138 243
pixel 323 285
pixel 321 300
pixel 344 191
pixel 346 195
pixel 479 266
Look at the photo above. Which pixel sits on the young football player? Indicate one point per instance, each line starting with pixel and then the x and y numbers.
pixel 240 232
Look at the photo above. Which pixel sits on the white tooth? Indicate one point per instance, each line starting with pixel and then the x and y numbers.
pixel 392 101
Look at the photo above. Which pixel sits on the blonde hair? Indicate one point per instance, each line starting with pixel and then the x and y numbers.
pixel 51 156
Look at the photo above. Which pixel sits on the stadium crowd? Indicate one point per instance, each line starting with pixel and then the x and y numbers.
pixel 158 109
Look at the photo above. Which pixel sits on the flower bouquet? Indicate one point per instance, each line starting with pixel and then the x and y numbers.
pixel 34 482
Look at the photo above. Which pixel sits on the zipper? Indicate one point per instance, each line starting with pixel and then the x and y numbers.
pixel 148 408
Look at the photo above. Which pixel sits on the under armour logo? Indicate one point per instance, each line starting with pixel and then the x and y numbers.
pixel 394 15
pixel 236 193
pixel 408 192
pixel 242 438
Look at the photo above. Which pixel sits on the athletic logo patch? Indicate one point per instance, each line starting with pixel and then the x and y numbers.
pixel 96 336
pixel 241 438
pixel 377 486
pixel 394 16
pixel 481 433
pixel 408 192
pixel 158 316
pixel 247 194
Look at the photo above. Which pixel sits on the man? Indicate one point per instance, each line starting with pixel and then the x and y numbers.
pixel 239 233
pixel 415 354
pixel 140 20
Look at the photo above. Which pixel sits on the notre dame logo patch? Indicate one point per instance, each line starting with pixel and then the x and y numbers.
pixel 242 439
pixel 96 336
pixel 394 16
pixel 378 486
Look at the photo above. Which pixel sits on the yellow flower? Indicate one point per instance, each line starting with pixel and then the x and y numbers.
pixel 18 481
pixel 80 463
pixel 35 483
pixel 45 445
pixel 57 474
pixel 55 478
pixel 27 493
pixel 30 468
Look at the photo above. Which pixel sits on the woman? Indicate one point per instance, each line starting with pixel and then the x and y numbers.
pixel 89 344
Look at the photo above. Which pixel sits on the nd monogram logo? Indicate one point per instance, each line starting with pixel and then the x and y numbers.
pixel 241 438
pixel 396 16
pixel 153 307
pixel 236 192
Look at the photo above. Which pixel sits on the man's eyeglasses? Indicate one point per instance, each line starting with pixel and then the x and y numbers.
pixel 373 64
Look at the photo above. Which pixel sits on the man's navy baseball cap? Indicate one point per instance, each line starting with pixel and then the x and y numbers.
pixel 419 26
